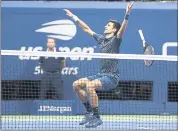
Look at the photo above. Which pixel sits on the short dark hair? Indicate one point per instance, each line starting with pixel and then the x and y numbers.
pixel 116 25
pixel 51 38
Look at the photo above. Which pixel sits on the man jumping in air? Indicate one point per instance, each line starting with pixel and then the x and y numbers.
pixel 108 77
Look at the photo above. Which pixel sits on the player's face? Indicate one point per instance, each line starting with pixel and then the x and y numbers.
pixel 109 28
pixel 51 43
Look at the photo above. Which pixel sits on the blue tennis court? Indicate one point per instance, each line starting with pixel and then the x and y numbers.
pixel 112 122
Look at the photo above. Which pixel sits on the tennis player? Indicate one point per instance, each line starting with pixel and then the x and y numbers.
pixel 108 76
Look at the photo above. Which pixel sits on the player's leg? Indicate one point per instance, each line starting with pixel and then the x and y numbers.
pixel 91 87
pixel 80 89
pixel 103 82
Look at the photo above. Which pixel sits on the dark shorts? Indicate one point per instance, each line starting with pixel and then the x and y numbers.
pixel 109 81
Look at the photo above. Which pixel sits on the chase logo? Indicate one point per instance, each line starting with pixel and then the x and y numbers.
pixel 59 29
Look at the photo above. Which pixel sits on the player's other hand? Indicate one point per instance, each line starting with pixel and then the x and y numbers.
pixel 68 13
pixel 129 7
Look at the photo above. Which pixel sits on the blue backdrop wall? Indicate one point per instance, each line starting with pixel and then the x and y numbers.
pixel 26 25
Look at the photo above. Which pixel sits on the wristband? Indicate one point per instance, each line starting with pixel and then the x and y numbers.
pixel 126 17
pixel 75 18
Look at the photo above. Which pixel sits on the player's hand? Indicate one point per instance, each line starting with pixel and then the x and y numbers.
pixel 68 13
pixel 129 7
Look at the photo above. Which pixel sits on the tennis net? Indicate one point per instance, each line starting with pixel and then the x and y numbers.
pixel 145 97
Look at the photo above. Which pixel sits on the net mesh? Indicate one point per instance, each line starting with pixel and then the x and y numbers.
pixel 145 97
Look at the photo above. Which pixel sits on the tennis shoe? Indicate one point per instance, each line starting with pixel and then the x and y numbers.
pixel 94 122
pixel 88 116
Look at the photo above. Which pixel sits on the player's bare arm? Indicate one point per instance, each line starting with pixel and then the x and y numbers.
pixel 124 23
pixel 82 24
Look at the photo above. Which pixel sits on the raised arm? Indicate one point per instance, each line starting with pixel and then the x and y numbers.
pixel 124 23
pixel 82 24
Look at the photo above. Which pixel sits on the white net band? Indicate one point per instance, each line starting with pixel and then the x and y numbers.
pixel 90 55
